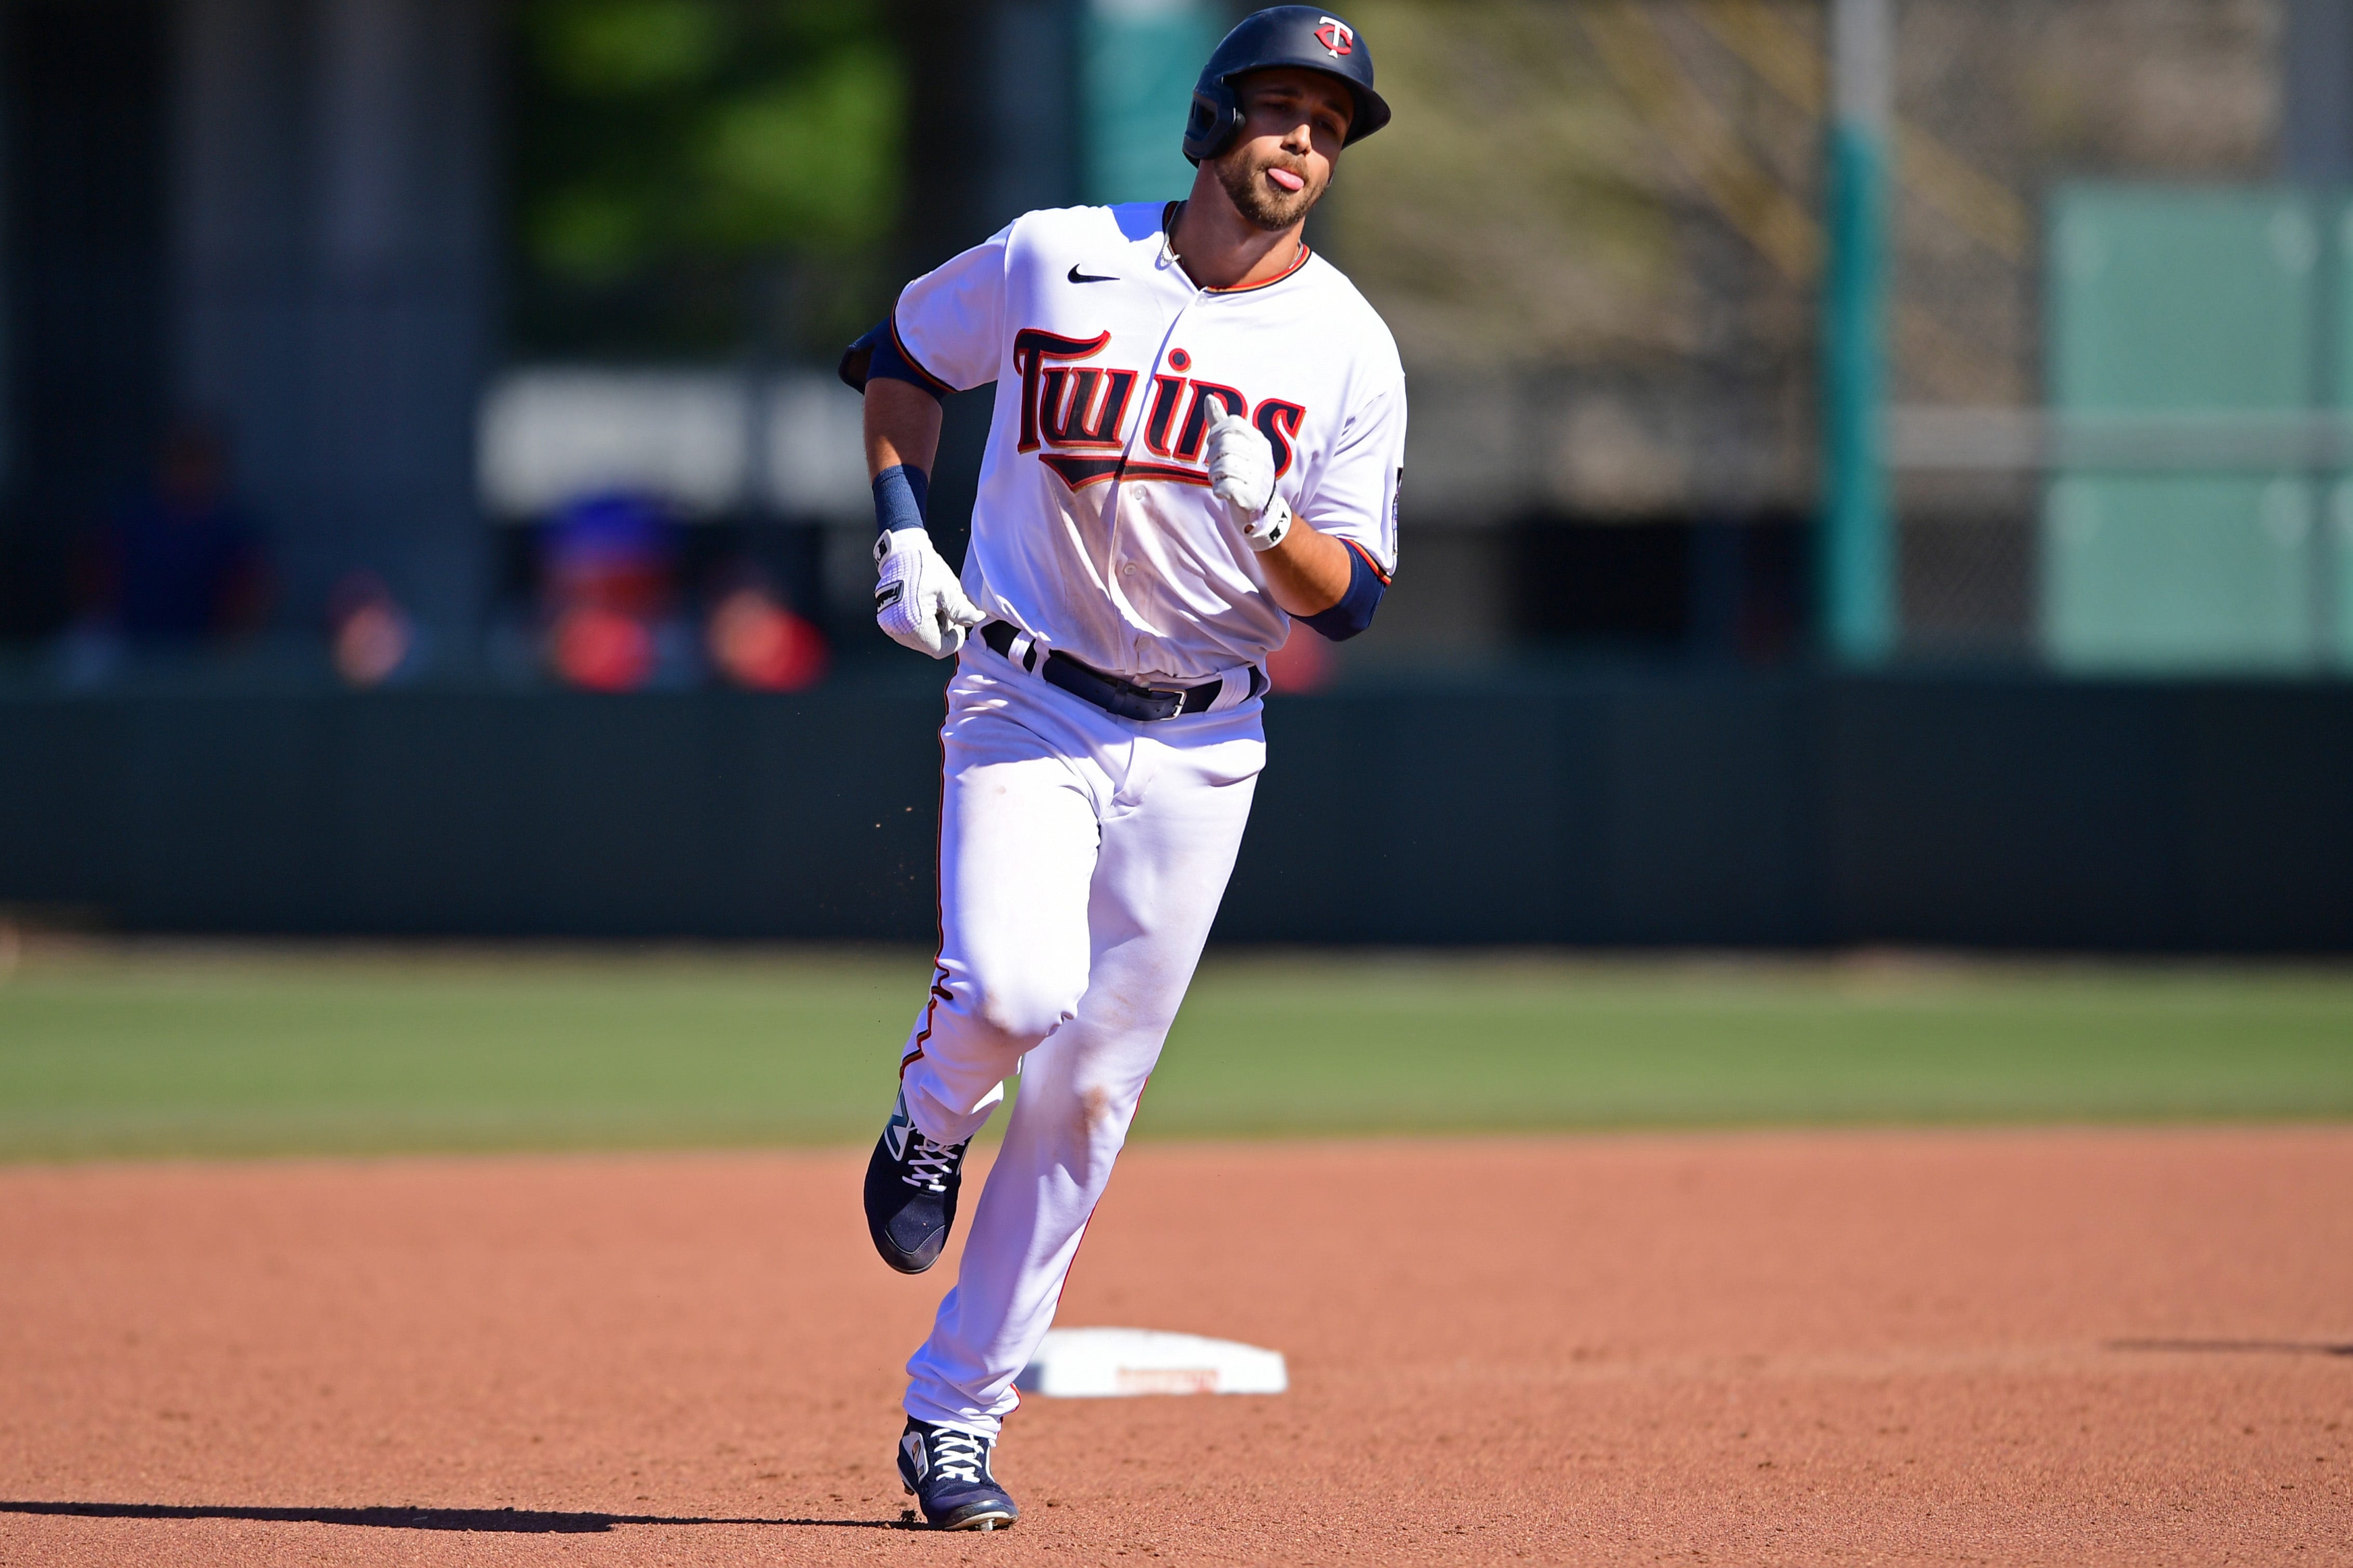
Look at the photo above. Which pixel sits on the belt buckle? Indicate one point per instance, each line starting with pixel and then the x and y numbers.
pixel 1163 704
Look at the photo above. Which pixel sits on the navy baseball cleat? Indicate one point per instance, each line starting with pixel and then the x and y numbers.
pixel 911 1192
pixel 948 1472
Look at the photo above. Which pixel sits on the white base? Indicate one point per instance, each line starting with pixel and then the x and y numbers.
pixel 1110 1363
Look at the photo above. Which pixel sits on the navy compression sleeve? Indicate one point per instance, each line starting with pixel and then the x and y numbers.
pixel 878 353
pixel 1355 611
pixel 903 498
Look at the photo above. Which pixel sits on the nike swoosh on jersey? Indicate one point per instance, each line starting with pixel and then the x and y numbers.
pixel 1079 277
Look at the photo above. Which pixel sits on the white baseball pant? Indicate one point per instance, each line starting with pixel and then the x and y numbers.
pixel 1081 860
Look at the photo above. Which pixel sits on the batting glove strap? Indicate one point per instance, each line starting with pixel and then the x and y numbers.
pixel 1268 527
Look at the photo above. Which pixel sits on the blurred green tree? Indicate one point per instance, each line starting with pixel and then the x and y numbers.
pixel 694 177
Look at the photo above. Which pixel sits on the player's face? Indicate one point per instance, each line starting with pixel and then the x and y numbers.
pixel 1280 166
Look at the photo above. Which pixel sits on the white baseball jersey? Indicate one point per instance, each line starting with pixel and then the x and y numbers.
pixel 1094 528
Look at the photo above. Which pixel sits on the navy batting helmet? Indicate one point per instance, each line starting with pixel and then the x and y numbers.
pixel 1300 35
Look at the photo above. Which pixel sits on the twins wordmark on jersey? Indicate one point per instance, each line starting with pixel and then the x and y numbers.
pixel 1077 411
pixel 1094 529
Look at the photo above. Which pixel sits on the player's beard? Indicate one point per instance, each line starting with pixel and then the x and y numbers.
pixel 1246 185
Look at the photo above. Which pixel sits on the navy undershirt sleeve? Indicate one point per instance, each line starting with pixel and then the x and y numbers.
pixel 1355 611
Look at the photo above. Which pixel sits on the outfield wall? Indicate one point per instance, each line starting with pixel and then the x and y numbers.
pixel 1734 810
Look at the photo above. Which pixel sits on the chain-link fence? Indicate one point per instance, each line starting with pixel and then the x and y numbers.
pixel 1601 246
pixel 2002 107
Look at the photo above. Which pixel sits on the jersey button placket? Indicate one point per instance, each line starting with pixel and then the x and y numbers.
pixel 1115 505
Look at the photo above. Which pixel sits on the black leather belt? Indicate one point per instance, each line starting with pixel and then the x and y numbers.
pixel 1111 693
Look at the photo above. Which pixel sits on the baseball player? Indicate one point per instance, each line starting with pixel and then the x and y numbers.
pixel 1196 439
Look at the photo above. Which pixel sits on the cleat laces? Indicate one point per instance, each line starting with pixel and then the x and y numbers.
pixel 959 1455
pixel 930 1164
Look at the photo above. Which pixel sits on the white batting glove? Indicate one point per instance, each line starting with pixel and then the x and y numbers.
pixel 1241 475
pixel 918 602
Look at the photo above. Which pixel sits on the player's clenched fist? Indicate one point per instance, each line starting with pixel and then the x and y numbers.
pixel 918 601
pixel 1241 475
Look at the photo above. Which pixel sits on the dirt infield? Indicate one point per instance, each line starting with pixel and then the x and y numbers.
pixel 2047 1347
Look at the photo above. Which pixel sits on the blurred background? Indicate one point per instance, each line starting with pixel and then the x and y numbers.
pixel 1881 471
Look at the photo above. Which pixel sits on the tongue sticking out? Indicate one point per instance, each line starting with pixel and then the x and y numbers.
pixel 1285 178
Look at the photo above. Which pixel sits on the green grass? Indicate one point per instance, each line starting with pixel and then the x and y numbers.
pixel 113 1050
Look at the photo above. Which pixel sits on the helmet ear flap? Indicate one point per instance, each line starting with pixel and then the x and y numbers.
pixel 1216 117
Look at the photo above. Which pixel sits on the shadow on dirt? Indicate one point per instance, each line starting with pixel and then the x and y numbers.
pixel 505 1520
pixel 2235 1347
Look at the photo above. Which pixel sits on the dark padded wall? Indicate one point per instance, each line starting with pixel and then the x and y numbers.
pixel 711 815
pixel 1686 810
pixel 83 94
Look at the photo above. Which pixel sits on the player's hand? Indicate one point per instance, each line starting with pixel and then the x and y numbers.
pixel 918 602
pixel 1241 475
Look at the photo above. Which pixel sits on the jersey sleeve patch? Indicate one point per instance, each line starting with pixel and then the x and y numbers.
pixel 1353 492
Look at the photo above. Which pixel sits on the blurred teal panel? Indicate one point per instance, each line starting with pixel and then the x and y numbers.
pixel 2178 300
pixel 2338 554
pixel 2173 298
pixel 2334 545
pixel 1138 63
pixel 2340 330
pixel 2177 574
pixel 2337 391
pixel 1858 555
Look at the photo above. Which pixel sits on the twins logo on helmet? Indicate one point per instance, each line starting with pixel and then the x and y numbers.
pixel 1336 36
